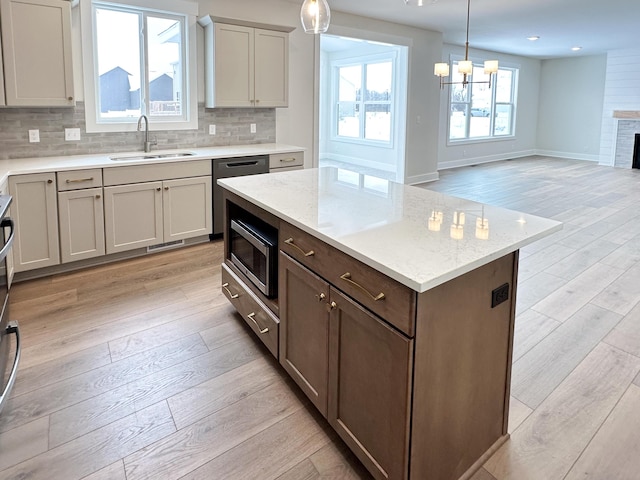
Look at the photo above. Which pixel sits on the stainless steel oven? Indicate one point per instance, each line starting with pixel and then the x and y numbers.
pixel 254 250
pixel 8 329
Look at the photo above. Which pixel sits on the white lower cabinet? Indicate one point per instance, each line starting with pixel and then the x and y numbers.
pixel 186 207
pixel 35 209
pixel 133 216
pixel 143 214
pixel 81 215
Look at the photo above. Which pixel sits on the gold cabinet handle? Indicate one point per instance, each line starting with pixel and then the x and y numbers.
pixel 79 180
pixel 331 306
pixel 166 188
pixel 49 181
pixel 98 196
pixel 289 241
pixel 347 278
pixel 158 189
pixel 226 287
pixel 251 317
pixel 320 297
pixel 289 159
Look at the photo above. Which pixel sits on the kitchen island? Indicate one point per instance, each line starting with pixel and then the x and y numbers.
pixel 394 312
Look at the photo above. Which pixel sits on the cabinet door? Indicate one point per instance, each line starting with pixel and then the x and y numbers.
pixel 187 208
pixel 304 329
pixel 271 68
pixel 35 210
pixel 233 69
pixel 370 370
pixel 36 41
pixel 133 216
pixel 81 215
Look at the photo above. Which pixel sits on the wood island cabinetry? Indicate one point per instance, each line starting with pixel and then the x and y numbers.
pixel 412 371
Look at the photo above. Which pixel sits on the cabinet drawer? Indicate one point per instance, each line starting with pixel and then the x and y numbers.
pixel 278 160
pixel 253 311
pixel 77 179
pixel 156 171
pixel 382 295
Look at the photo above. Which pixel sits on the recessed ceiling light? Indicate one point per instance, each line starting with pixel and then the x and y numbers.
pixel 575 49
pixel 533 38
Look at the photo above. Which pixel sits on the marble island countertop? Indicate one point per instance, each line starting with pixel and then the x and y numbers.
pixel 416 236
pixel 103 160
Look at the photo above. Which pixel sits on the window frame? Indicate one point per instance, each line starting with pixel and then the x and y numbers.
pixel 467 105
pixel 363 61
pixel 188 11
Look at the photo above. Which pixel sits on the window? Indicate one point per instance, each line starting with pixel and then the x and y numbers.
pixel 137 63
pixel 364 100
pixel 478 111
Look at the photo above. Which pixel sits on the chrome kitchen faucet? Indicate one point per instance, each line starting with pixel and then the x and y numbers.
pixel 147 143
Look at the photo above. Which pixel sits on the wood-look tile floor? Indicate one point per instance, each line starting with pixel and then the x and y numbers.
pixel 141 369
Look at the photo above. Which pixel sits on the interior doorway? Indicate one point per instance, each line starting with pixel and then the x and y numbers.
pixel 362 106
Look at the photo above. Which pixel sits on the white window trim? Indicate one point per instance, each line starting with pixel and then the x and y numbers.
pixel 363 60
pixel 514 94
pixel 180 7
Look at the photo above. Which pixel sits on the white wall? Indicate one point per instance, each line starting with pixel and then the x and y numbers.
pixel 570 108
pixel 621 92
pixel 524 141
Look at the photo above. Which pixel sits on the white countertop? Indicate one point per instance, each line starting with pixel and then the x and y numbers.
pixel 386 225
pixel 75 162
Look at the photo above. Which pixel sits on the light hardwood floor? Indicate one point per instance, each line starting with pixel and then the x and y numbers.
pixel 141 369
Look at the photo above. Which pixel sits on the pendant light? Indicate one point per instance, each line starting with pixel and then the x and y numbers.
pixel 315 16
pixel 465 67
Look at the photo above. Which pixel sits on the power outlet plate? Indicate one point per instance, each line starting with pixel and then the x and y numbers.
pixel 212 129
pixel 72 134
pixel 34 136
pixel 253 128
pixel 499 295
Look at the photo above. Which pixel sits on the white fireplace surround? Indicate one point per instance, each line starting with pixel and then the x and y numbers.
pixel 627 124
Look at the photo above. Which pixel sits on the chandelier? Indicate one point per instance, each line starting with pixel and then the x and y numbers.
pixel 315 16
pixel 465 67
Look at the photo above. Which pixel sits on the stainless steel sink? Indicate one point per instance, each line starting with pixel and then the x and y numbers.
pixel 151 156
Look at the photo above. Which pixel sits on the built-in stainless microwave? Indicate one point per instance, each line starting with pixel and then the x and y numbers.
pixel 254 250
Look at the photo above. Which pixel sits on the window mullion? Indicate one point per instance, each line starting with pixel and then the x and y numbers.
pixel 144 66
pixel 363 89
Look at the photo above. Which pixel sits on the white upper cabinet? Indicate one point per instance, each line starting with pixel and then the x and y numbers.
pixel 246 63
pixel 36 48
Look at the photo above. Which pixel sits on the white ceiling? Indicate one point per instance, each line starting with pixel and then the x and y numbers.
pixel 503 25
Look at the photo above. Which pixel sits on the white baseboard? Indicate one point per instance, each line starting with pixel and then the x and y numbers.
pixel 571 155
pixel 466 162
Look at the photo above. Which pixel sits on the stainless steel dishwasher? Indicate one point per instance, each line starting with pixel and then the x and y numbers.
pixel 232 167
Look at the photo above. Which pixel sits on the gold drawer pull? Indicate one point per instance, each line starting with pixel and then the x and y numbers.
pixel 80 180
pixel 347 278
pixel 226 287
pixel 287 160
pixel 251 317
pixel 289 241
